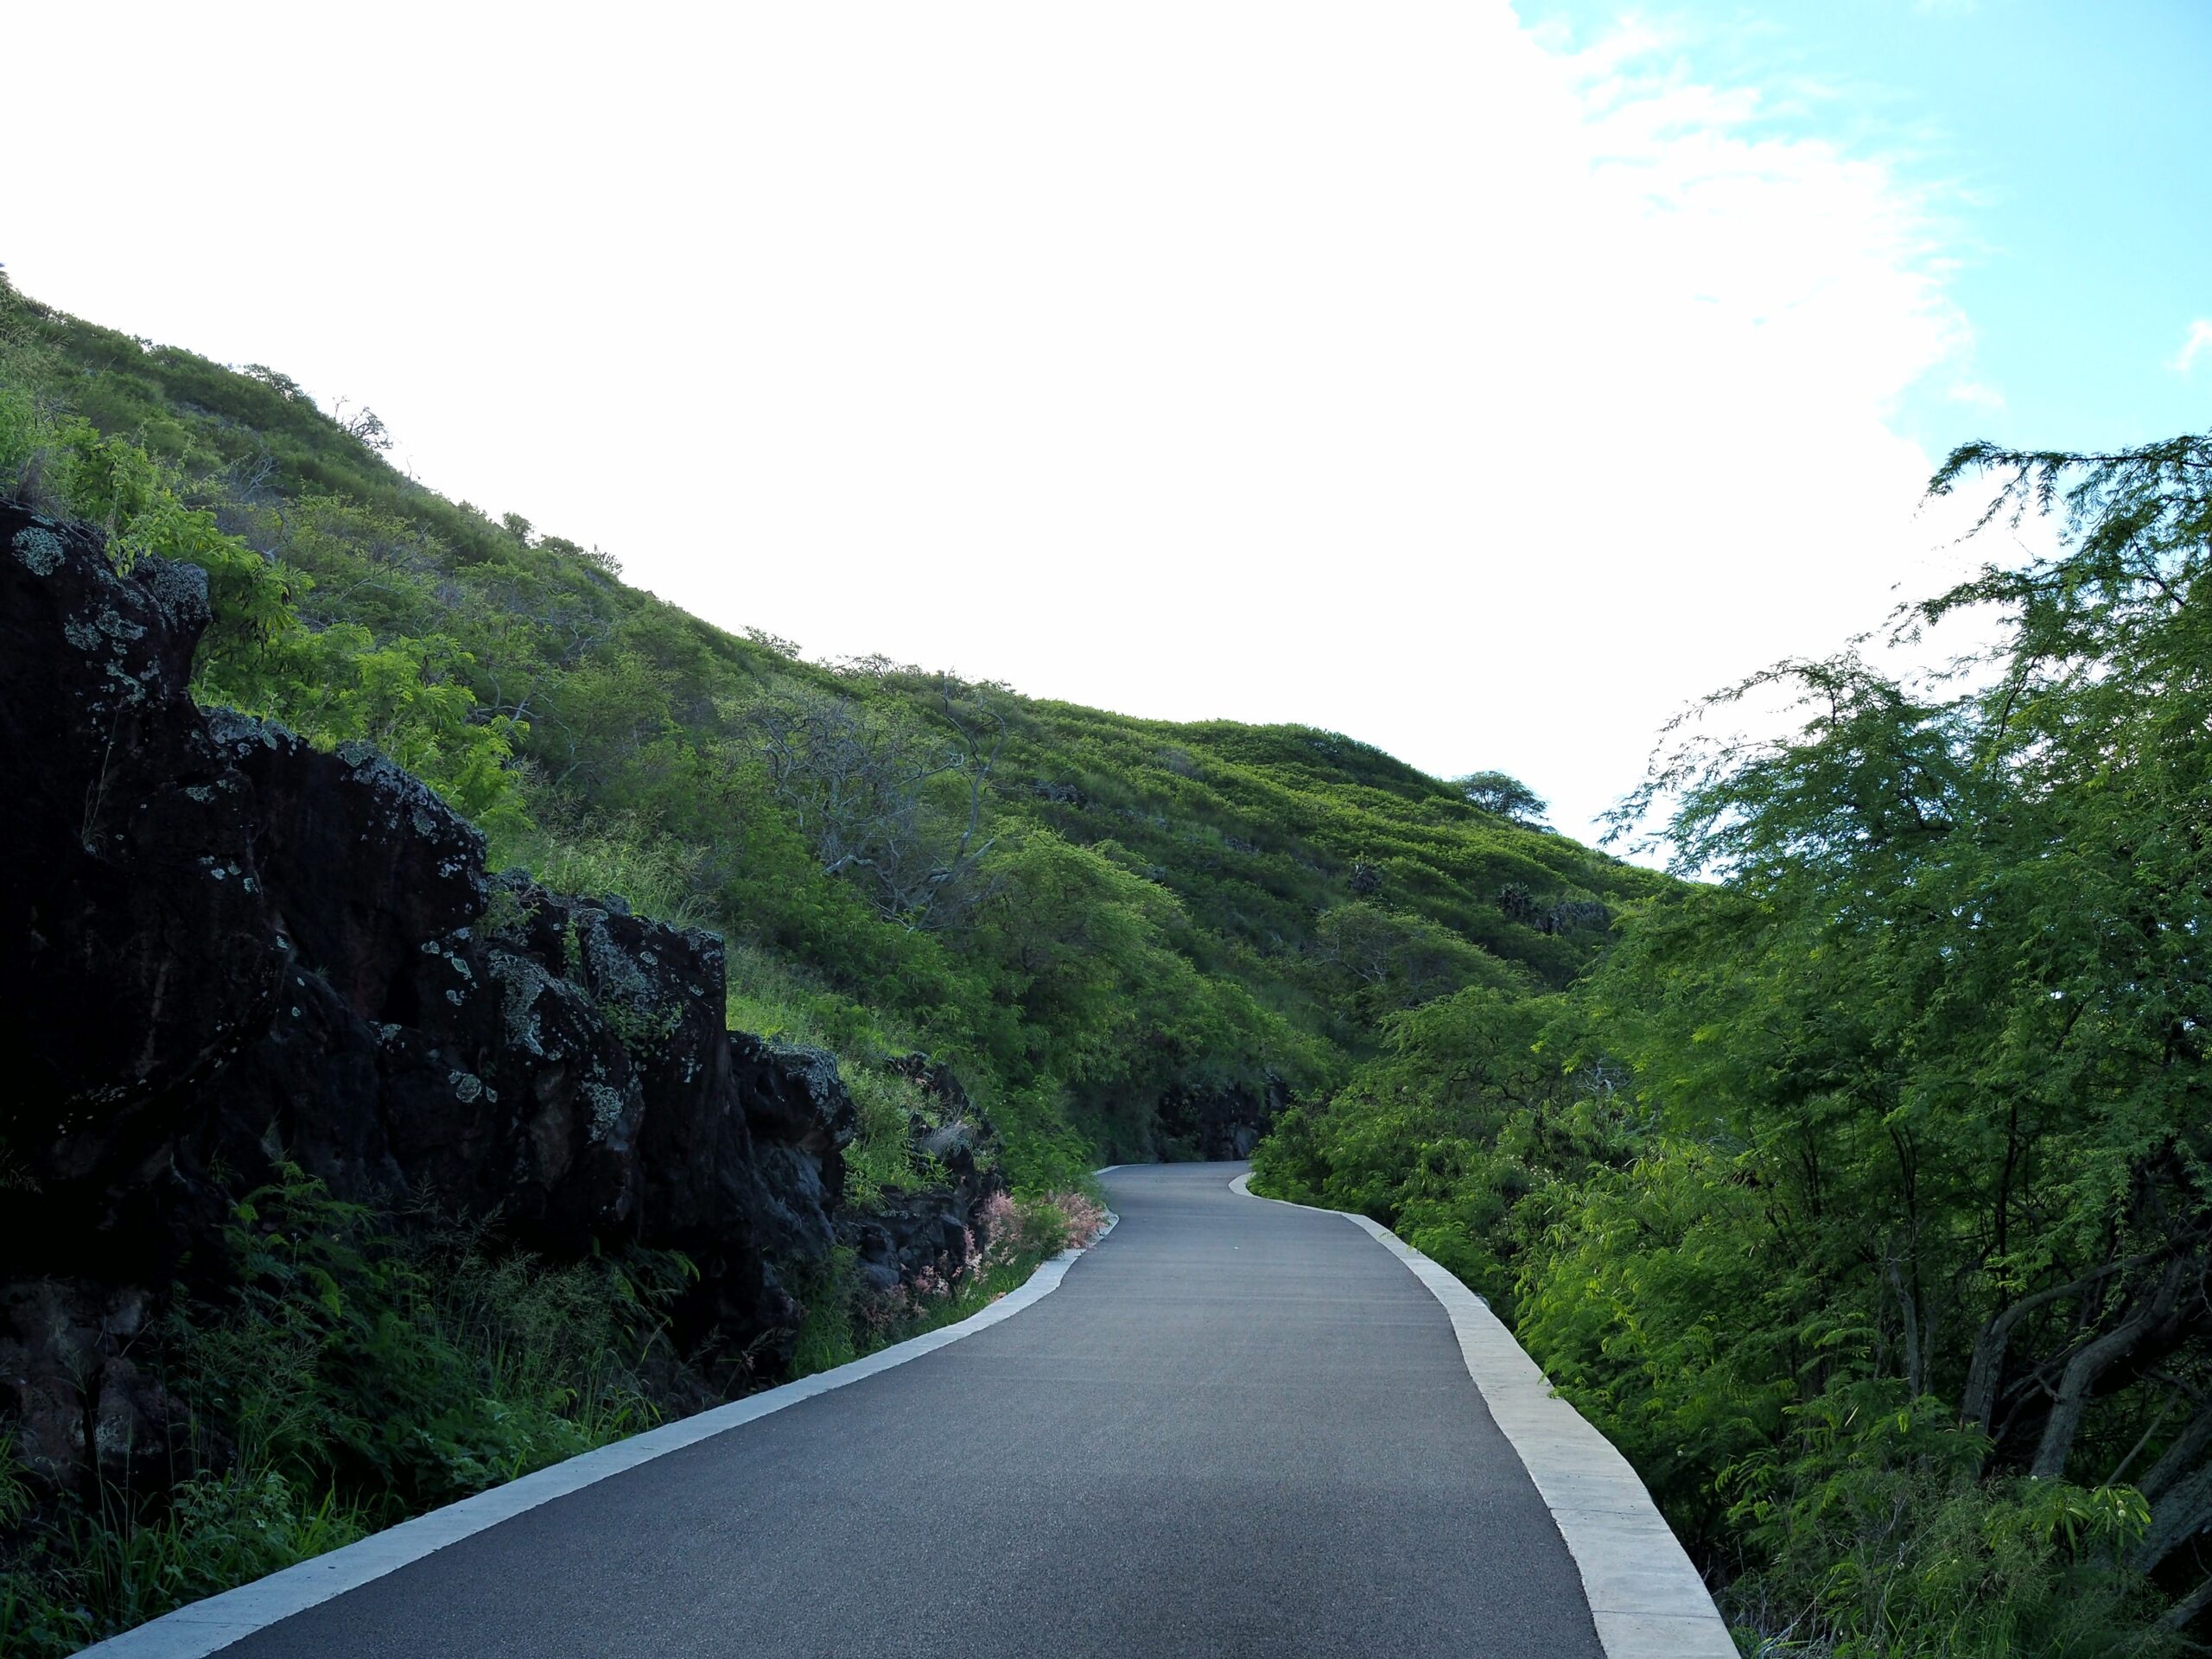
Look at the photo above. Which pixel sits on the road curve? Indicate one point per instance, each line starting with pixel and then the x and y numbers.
pixel 1236 1428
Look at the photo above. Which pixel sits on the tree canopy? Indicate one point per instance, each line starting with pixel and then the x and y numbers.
pixel 1503 794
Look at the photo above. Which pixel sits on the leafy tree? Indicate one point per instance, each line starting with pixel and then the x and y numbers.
pixel 1880 1235
pixel 282 385
pixel 1957 968
pixel 1503 794
pixel 1383 960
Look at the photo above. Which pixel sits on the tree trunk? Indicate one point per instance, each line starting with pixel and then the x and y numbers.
pixel 2178 1459
pixel 1985 1369
pixel 2185 1512
pixel 1910 1314
pixel 2179 1615
pixel 2079 1380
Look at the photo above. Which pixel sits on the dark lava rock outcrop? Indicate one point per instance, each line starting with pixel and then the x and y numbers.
pixel 220 946
pixel 140 950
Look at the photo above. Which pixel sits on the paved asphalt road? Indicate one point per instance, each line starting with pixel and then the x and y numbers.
pixel 1235 1429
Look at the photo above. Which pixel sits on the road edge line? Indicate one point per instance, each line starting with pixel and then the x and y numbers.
pixel 1646 1599
pixel 213 1622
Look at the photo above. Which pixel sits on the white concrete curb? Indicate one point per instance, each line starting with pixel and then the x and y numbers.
pixel 1647 1600
pixel 205 1627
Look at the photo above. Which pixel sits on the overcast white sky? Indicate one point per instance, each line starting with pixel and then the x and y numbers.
pixel 1394 369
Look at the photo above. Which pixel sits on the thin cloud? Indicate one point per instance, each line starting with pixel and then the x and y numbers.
pixel 2198 344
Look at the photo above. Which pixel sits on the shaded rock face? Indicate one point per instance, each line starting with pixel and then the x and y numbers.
pixel 368 862
pixel 1219 1123
pixel 802 1120
pixel 1518 905
pixel 140 950
pixel 552 1061
pixel 220 945
pixel 102 1400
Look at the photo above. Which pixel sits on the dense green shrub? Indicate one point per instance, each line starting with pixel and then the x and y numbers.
pixel 1874 1528
pixel 1860 1194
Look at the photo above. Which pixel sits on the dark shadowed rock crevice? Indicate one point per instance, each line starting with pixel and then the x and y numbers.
pixel 220 946
pixel 1218 1123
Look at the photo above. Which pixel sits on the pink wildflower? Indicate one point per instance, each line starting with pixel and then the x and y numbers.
pixel 1085 1219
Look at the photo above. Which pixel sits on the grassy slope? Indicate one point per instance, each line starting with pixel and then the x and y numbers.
pixel 638 777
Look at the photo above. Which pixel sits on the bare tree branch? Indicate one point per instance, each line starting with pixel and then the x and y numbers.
pixel 867 788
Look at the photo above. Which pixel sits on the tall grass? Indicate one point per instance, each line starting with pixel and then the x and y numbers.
pixel 776 997
pixel 351 1375
pixel 570 850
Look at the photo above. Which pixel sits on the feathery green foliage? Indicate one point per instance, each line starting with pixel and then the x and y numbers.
pixel 1860 1194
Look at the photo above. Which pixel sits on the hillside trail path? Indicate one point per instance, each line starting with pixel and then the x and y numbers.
pixel 1236 1428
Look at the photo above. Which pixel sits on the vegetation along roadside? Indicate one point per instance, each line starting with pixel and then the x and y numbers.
pixel 1859 1193
pixel 1851 1179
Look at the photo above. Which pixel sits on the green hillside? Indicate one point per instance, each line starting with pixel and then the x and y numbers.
pixel 1085 912
pixel 1856 1188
